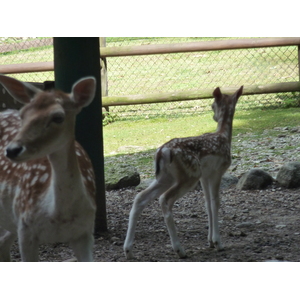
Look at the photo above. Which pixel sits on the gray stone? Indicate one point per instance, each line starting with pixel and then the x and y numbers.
pixel 228 180
pixel 255 179
pixel 245 225
pixel 144 184
pixel 121 176
pixel 289 175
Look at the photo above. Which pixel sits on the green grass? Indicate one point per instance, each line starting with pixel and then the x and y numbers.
pixel 135 142
pixel 123 137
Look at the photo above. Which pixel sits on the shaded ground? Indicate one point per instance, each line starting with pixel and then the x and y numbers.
pixel 255 226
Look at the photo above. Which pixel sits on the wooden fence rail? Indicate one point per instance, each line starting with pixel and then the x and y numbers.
pixel 198 94
pixel 198 46
pixel 176 48
pixel 27 67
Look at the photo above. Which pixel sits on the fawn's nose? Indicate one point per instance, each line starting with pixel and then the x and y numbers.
pixel 13 151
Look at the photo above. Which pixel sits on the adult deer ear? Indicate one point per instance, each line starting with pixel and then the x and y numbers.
pixel 217 94
pixel 83 91
pixel 21 91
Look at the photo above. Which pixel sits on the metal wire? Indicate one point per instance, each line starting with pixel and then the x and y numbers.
pixel 173 72
pixel 198 70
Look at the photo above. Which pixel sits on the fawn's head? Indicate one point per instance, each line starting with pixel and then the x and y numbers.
pixel 224 105
pixel 47 118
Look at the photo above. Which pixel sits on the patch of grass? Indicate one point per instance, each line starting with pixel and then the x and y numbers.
pixel 123 137
pixel 257 120
pixel 135 142
pixel 293 101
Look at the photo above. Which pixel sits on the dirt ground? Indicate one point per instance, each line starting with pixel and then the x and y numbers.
pixel 255 226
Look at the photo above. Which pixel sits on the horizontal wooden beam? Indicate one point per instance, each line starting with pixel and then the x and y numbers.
pixel 27 67
pixel 198 46
pixel 160 49
pixel 198 94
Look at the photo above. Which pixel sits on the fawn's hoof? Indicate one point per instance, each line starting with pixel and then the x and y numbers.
pixel 218 246
pixel 128 253
pixel 181 253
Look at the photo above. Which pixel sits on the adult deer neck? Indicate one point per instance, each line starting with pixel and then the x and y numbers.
pixel 64 162
pixel 66 175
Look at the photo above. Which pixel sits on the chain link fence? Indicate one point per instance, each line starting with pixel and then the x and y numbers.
pixel 173 72
pixel 198 70
pixel 19 50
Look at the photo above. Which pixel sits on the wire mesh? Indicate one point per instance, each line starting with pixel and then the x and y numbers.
pixel 18 50
pixel 173 72
pixel 198 70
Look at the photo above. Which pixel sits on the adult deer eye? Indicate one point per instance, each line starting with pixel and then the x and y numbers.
pixel 58 119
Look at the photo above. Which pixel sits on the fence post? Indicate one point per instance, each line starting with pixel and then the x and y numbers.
pixel 299 61
pixel 103 65
pixel 75 58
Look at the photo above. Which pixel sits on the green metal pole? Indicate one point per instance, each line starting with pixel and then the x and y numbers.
pixel 75 58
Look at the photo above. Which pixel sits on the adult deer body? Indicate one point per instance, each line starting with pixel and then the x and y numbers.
pixel 180 163
pixel 47 188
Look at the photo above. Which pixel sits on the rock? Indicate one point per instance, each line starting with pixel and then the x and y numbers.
pixel 245 225
pixel 228 180
pixel 73 259
pixel 120 177
pixel 274 260
pixel 237 233
pixel 144 184
pixel 255 179
pixel 289 175
pixel 280 226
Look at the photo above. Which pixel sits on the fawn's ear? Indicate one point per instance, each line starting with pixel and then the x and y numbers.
pixel 21 91
pixel 238 93
pixel 83 91
pixel 217 94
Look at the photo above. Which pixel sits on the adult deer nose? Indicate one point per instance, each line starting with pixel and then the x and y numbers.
pixel 13 151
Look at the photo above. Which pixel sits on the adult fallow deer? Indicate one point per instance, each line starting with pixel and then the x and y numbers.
pixel 47 187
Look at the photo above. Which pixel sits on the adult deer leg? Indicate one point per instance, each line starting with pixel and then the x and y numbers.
pixel 82 248
pixel 6 240
pixel 29 246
